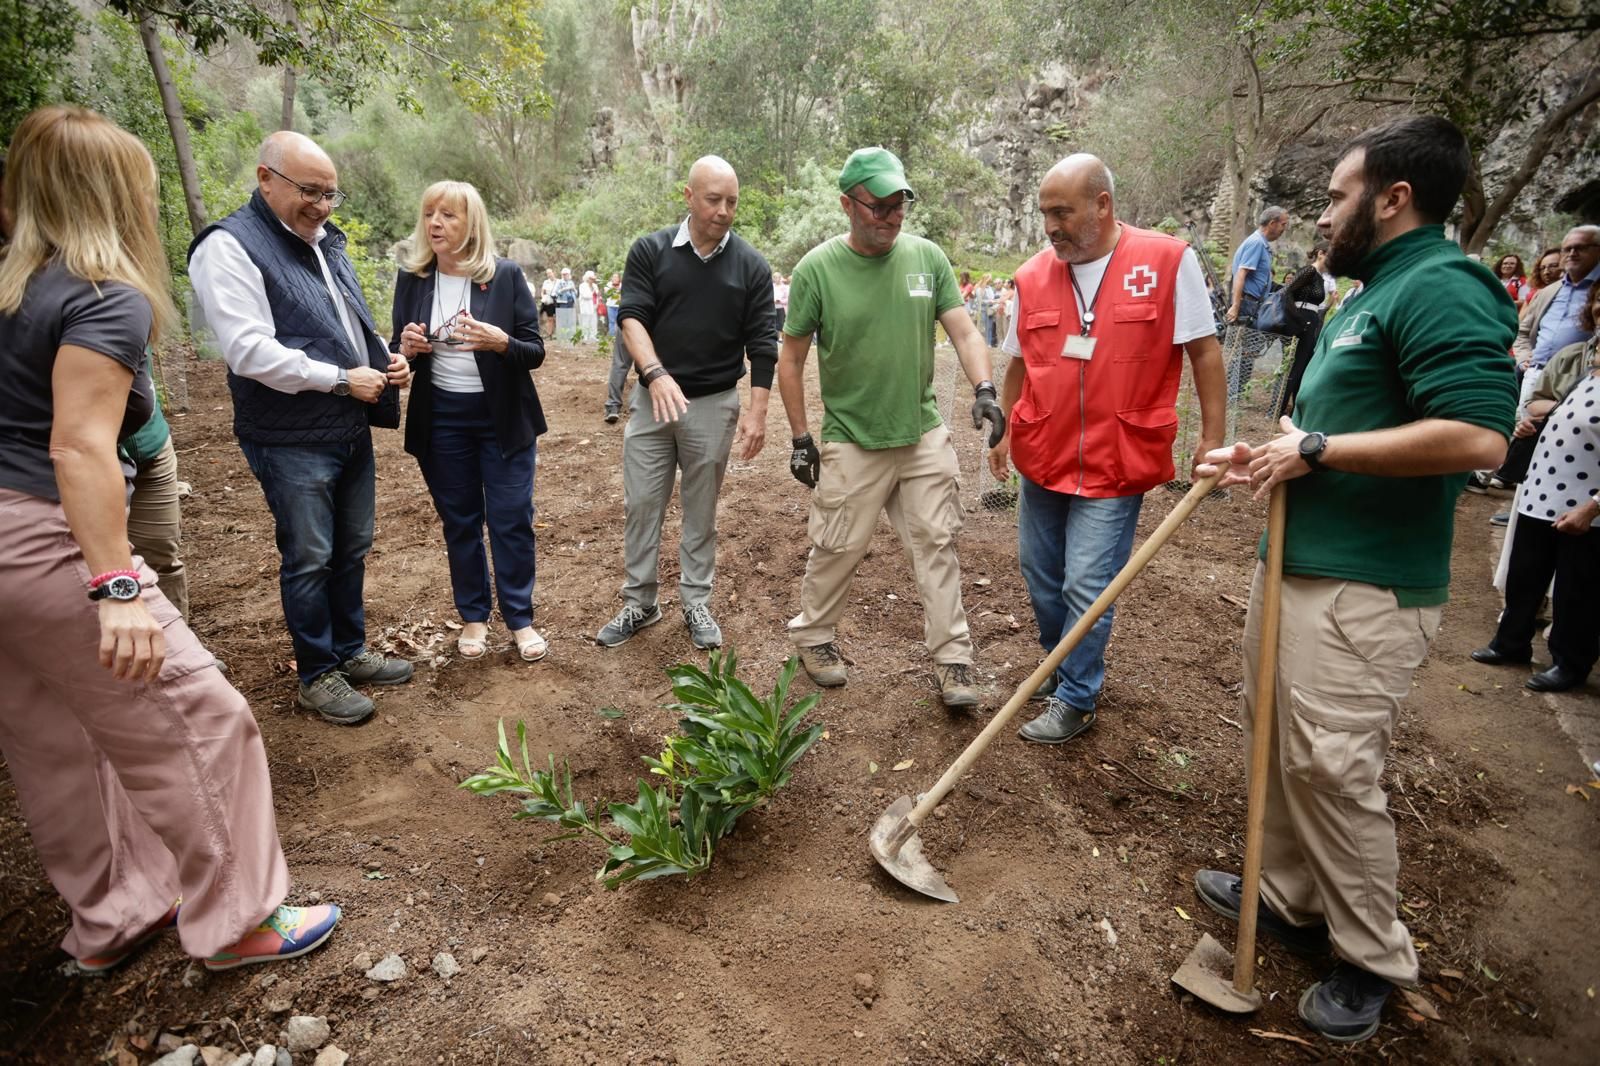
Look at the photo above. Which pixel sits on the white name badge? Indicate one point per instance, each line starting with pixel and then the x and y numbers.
pixel 1078 347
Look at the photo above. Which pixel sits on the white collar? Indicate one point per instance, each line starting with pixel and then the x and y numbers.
pixel 682 239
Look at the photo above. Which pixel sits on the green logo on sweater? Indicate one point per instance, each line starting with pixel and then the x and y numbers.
pixel 920 284
pixel 1352 331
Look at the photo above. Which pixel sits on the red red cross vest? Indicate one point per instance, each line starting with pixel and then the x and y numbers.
pixel 1103 426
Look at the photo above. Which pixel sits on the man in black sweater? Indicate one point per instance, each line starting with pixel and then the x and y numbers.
pixel 696 304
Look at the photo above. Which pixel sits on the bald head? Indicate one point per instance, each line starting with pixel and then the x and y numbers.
pixel 1076 201
pixel 290 168
pixel 712 196
pixel 1086 172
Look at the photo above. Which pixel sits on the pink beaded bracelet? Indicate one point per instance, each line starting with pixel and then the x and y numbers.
pixel 101 579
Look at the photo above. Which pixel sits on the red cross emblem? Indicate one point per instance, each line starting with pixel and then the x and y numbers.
pixel 1140 281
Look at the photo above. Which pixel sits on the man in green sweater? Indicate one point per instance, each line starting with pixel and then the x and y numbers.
pixel 1408 390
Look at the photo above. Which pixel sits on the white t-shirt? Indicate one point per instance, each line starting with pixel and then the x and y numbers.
pixel 1191 306
pixel 453 370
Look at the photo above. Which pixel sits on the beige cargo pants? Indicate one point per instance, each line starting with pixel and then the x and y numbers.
pixel 1346 654
pixel 917 485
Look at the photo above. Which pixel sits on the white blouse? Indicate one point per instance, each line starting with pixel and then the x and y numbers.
pixel 454 370
pixel 1566 463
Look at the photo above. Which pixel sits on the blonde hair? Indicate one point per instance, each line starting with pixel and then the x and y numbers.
pixel 476 251
pixel 82 191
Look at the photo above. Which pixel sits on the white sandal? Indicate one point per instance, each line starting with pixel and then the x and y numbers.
pixel 473 647
pixel 531 647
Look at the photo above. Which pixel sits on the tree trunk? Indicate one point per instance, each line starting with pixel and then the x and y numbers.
pixel 173 109
pixel 1477 227
pixel 286 119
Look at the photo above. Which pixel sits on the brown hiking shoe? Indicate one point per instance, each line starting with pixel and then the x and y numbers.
pixel 956 688
pixel 824 664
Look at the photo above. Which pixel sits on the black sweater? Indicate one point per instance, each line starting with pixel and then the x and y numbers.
pixel 704 318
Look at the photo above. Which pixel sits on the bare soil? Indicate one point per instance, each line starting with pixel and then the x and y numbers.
pixel 796 948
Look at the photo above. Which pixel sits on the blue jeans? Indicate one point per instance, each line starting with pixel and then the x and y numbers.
pixel 1070 548
pixel 474 485
pixel 322 502
pixel 611 318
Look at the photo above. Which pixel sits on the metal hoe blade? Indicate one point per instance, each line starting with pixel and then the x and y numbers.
pixel 1208 973
pixel 897 846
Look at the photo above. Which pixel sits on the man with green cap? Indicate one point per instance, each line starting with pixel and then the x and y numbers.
pixel 871 297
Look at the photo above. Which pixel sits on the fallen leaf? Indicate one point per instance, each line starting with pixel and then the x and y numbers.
pixel 824 734
pixel 1577 790
pixel 1490 974
pixel 1267 1034
pixel 1454 975
pixel 1594 784
pixel 1590 990
pixel 872 767
pixel 1182 913
pixel 611 712
pixel 450 623
pixel 1414 1016
pixel 1095 852
pixel 1419 1003
pixel 902 765
pixel 375 875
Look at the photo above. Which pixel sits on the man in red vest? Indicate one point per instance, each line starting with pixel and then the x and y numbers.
pixel 1102 319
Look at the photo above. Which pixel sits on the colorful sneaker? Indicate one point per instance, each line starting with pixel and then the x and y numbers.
pixel 287 933
pixel 98 964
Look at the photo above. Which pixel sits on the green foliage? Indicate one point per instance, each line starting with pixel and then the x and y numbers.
pixel 36 39
pixel 375 273
pixel 735 751
pixel 585 228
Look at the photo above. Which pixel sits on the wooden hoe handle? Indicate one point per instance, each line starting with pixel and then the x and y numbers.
pixel 1146 552
pixel 1262 736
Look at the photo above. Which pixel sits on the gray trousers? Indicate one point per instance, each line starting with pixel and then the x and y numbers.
pixel 621 363
pixel 652 454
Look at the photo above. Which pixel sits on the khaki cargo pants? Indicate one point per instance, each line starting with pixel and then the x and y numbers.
pixel 1346 654
pixel 917 485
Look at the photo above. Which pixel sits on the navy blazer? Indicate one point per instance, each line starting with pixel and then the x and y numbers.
pixel 506 302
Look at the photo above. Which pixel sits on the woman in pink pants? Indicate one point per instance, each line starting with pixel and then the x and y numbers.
pixel 138 767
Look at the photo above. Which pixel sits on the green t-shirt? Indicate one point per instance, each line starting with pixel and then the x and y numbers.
pixel 1426 338
pixel 874 318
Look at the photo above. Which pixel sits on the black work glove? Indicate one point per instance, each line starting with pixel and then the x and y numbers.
pixel 805 462
pixel 986 408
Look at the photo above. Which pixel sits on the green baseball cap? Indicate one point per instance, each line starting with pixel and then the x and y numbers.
pixel 876 168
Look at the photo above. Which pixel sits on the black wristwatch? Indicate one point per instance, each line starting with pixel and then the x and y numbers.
pixel 121 587
pixel 1311 448
pixel 342 386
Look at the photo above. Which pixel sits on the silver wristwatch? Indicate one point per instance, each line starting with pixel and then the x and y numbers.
pixel 342 386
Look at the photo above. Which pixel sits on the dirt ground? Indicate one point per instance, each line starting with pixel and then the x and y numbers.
pixel 795 947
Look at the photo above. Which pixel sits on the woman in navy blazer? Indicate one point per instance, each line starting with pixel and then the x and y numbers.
pixel 470 325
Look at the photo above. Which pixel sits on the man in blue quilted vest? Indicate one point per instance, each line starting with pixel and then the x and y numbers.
pixel 309 376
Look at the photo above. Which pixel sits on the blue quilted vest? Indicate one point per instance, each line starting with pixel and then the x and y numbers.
pixel 306 319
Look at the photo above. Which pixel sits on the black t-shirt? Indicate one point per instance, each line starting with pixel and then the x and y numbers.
pixel 58 309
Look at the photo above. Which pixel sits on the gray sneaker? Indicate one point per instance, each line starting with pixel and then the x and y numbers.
pixel 332 697
pixel 1058 724
pixel 628 621
pixel 703 629
pixel 373 668
pixel 824 664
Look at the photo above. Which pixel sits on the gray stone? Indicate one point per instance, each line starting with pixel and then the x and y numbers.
pixel 389 968
pixel 284 1058
pixel 445 965
pixel 167 1042
pixel 362 962
pixel 306 1033
pixel 330 1056
pixel 266 1055
pixel 184 1056
pixel 479 954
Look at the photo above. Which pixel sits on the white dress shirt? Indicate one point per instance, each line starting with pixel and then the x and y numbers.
pixel 682 238
pixel 233 297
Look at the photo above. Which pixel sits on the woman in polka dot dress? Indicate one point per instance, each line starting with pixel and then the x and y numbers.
pixel 1556 535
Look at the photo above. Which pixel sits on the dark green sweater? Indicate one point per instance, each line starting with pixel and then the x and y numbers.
pixel 1426 338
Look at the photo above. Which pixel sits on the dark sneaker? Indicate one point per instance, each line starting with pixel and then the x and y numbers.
pixel 1501 519
pixel 371 668
pixel 824 664
pixel 1223 893
pixel 1478 482
pixel 956 689
pixel 1490 655
pixel 703 629
pixel 1058 724
pixel 1346 1005
pixel 612 414
pixel 332 697
pixel 628 621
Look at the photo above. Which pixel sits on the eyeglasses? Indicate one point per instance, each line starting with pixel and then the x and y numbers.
pixel 312 196
pixel 1576 249
pixel 884 211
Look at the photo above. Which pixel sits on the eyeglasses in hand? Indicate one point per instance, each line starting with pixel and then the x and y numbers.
pixel 335 197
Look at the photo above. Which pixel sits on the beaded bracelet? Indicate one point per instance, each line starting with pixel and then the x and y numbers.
pixel 100 579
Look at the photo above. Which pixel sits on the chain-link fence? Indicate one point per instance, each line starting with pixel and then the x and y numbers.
pixel 1257 365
